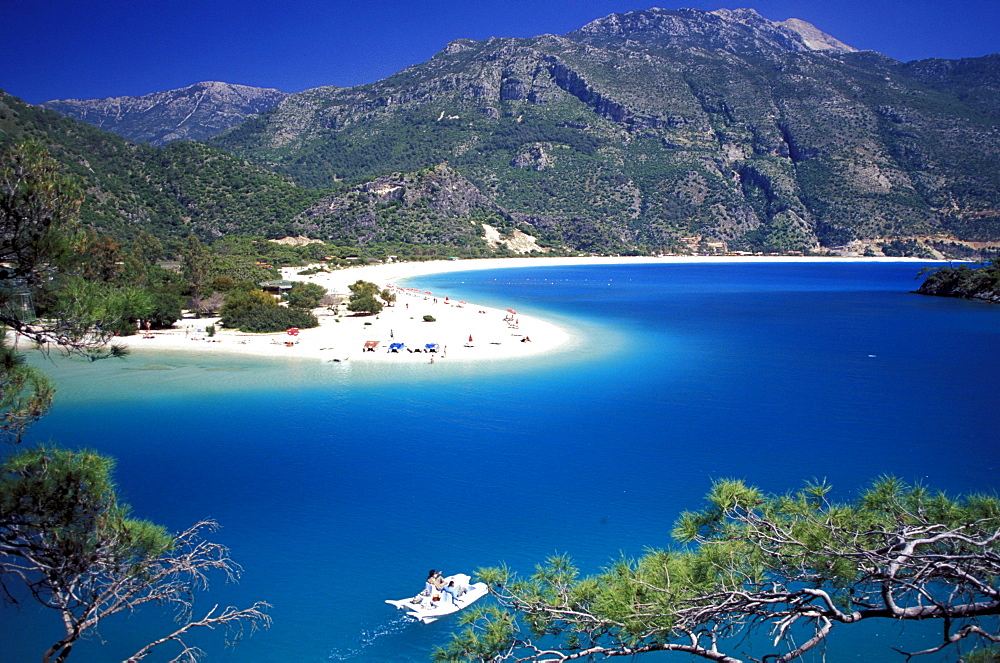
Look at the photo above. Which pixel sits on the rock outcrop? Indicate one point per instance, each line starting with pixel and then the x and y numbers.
pixel 195 112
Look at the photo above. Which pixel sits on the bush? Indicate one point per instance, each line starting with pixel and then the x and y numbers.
pixel 266 319
pixel 365 305
pixel 305 295
pixel 364 298
pixel 241 301
pixel 166 310
pixel 429 318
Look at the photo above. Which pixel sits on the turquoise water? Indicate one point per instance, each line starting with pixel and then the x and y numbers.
pixel 340 485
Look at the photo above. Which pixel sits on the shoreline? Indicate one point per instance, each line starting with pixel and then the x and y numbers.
pixel 463 331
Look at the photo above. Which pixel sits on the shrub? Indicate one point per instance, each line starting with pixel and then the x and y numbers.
pixel 266 319
pixel 166 310
pixel 240 301
pixel 429 318
pixel 305 295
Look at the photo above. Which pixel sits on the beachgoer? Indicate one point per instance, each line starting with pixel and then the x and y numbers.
pixel 437 580
pixel 453 591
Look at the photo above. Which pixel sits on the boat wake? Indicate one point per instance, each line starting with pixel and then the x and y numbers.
pixel 368 636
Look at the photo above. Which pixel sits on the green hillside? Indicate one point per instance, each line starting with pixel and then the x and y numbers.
pixel 171 192
pixel 642 132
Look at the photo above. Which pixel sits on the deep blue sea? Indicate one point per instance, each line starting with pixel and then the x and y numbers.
pixel 340 485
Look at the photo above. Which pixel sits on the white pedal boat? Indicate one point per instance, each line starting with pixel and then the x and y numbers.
pixel 428 606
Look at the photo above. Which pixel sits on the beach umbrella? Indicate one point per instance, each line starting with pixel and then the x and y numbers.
pixel 293 331
pixel 510 310
pixel 470 338
pixel 428 292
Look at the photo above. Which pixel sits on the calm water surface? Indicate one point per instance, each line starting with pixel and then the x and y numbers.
pixel 340 485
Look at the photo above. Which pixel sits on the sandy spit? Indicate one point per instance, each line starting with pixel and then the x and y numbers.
pixel 462 330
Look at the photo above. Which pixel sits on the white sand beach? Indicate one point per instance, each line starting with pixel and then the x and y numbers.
pixel 494 333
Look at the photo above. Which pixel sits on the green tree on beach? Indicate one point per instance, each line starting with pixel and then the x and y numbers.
pixel 775 574
pixel 304 295
pixel 197 265
pixel 364 298
pixel 257 312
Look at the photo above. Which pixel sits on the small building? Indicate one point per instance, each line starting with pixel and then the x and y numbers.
pixel 277 288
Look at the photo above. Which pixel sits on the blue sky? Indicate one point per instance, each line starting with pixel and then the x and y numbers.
pixel 58 49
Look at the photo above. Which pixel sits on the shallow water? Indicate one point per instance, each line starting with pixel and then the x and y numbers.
pixel 339 485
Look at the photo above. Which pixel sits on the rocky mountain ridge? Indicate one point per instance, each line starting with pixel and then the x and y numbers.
pixel 655 130
pixel 733 30
pixel 650 128
pixel 195 112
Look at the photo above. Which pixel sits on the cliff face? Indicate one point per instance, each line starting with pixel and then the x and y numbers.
pixel 651 128
pixel 192 113
pixel 432 206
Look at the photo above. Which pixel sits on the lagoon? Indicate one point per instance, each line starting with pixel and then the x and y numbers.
pixel 340 485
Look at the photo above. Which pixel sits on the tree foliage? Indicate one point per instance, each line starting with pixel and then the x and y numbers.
pixel 45 292
pixel 789 567
pixel 269 319
pixel 364 298
pixel 304 295
pixel 240 301
pixel 197 265
pixel 25 393
pixel 978 282
pixel 66 538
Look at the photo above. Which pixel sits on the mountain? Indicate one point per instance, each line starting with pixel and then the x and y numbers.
pixel 171 192
pixel 662 130
pixel 195 112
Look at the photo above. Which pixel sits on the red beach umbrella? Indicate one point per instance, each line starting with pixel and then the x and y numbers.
pixel 510 310
pixel 470 338
pixel 293 331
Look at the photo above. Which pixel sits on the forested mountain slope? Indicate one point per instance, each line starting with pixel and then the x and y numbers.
pixel 173 191
pixel 651 129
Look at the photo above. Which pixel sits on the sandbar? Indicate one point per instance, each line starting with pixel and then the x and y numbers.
pixel 461 330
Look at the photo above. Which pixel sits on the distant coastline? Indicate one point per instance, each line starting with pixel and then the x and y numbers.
pixel 461 330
